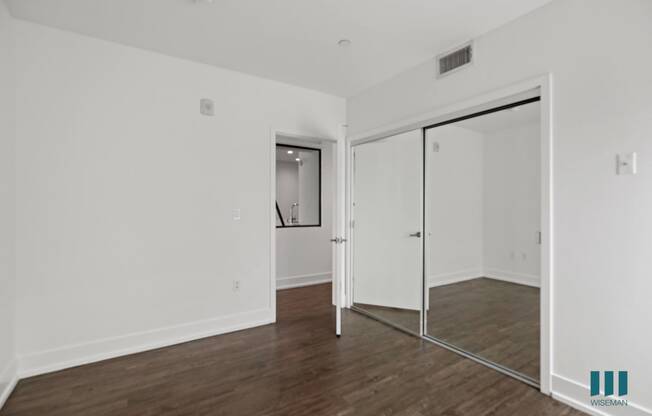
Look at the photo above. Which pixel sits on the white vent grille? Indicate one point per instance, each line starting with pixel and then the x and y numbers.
pixel 452 61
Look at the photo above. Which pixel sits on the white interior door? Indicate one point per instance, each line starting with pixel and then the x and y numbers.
pixel 387 210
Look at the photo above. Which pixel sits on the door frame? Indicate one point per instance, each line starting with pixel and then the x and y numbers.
pixel 338 203
pixel 544 84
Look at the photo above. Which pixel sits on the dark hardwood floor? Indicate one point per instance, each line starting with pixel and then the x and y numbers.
pixel 294 367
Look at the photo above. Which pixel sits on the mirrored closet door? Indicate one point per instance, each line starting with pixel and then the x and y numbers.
pixel 482 247
pixel 387 232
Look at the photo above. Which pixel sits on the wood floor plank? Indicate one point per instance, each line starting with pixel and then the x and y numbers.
pixel 294 367
pixel 496 320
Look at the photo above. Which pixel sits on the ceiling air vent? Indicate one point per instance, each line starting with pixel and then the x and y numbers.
pixel 452 61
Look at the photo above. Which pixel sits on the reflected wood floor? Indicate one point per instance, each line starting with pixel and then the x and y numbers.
pixel 294 367
pixel 405 318
pixel 493 319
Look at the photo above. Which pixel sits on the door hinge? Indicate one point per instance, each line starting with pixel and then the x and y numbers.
pixel 539 237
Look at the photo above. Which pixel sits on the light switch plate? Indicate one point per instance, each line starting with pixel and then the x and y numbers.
pixel 236 214
pixel 626 163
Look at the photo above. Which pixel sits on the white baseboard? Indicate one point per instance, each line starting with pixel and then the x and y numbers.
pixel 454 277
pixel 303 280
pixel 577 395
pixel 8 380
pixel 513 277
pixel 74 355
pixel 469 274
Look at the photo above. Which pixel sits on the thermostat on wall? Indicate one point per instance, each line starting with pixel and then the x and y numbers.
pixel 207 107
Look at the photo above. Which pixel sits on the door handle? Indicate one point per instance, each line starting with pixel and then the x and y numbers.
pixel 338 240
pixel 417 234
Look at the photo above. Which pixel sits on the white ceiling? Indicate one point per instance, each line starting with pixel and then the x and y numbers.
pixel 293 41
pixel 282 154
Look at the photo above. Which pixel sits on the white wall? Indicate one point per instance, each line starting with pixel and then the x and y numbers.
pixel 512 204
pixel 287 187
pixel 125 230
pixel 309 187
pixel 304 254
pixel 455 204
pixel 602 225
pixel 7 203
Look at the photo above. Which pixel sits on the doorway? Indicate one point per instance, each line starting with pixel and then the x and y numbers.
pixel 307 214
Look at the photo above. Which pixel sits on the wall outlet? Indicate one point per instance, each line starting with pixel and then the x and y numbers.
pixel 236 214
pixel 626 163
pixel 236 285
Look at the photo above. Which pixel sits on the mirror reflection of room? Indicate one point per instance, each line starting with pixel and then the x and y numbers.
pixel 483 221
pixel 298 186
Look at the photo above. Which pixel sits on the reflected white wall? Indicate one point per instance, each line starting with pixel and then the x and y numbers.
pixel 483 210
pixel 512 204
pixel 287 187
pixel 454 219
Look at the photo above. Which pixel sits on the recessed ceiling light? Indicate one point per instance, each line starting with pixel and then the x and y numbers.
pixel 290 152
pixel 343 43
pixel 298 160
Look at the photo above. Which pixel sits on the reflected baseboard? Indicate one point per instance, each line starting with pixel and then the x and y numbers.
pixel 513 277
pixel 491 273
pixel 399 308
pixel 454 277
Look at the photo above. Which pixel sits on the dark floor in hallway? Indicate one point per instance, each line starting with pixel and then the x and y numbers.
pixel 294 367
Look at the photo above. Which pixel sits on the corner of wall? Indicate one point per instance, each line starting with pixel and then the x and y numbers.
pixel 8 362
pixel 10 374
